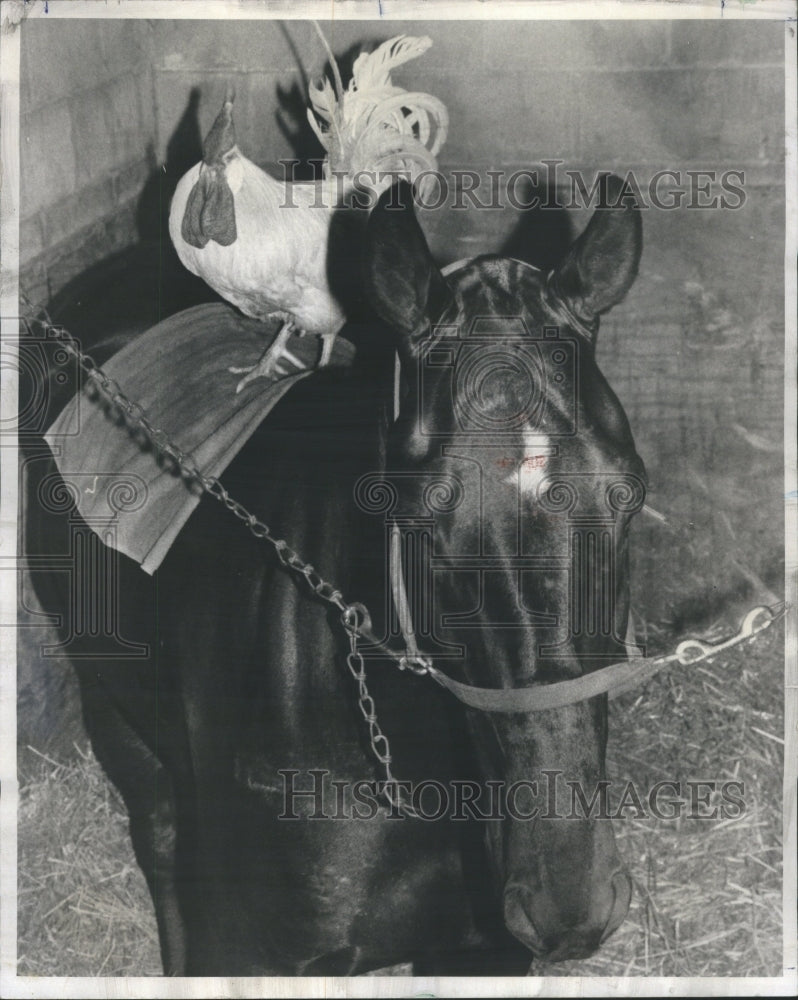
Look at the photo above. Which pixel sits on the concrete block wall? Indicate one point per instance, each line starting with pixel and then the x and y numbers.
pixel 88 135
pixel 626 93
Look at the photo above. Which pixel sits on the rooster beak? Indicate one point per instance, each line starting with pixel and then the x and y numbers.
pixel 222 136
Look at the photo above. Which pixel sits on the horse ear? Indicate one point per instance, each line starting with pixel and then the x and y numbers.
pixel 402 280
pixel 601 266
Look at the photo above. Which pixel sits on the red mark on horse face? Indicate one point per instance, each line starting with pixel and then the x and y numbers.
pixel 525 464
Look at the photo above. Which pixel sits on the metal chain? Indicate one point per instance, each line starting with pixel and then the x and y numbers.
pixel 354 617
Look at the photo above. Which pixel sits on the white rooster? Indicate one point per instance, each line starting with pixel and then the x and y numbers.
pixel 261 243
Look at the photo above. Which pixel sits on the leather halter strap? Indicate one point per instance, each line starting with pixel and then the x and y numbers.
pixel 612 680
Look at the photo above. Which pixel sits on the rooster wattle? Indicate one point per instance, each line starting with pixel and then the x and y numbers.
pixel 263 244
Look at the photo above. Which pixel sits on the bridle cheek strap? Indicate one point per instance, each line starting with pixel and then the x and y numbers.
pixel 400 602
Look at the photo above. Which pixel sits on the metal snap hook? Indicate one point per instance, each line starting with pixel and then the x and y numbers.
pixel 416 664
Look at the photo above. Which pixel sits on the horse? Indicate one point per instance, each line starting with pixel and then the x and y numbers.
pixel 292 819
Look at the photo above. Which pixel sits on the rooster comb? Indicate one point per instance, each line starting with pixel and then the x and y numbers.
pixel 222 136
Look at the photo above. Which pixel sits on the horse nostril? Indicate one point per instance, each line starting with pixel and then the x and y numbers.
pixel 622 887
pixel 517 907
pixel 543 923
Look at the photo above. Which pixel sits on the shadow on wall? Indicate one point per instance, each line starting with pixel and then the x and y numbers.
pixel 182 152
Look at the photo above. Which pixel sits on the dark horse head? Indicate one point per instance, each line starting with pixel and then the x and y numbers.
pixel 516 451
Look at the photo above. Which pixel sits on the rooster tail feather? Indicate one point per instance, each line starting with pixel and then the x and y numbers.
pixel 326 103
pixel 326 108
pixel 392 158
pixel 374 124
pixel 373 70
pixel 418 116
pixel 339 85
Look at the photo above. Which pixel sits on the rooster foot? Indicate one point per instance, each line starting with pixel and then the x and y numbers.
pixel 327 344
pixel 275 362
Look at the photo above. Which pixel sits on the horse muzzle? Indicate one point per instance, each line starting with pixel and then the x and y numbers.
pixel 543 922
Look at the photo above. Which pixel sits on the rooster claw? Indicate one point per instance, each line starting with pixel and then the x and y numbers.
pixel 268 367
pixel 273 362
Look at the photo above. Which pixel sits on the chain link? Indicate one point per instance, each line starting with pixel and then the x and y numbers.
pixel 355 618
pixel 379 741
